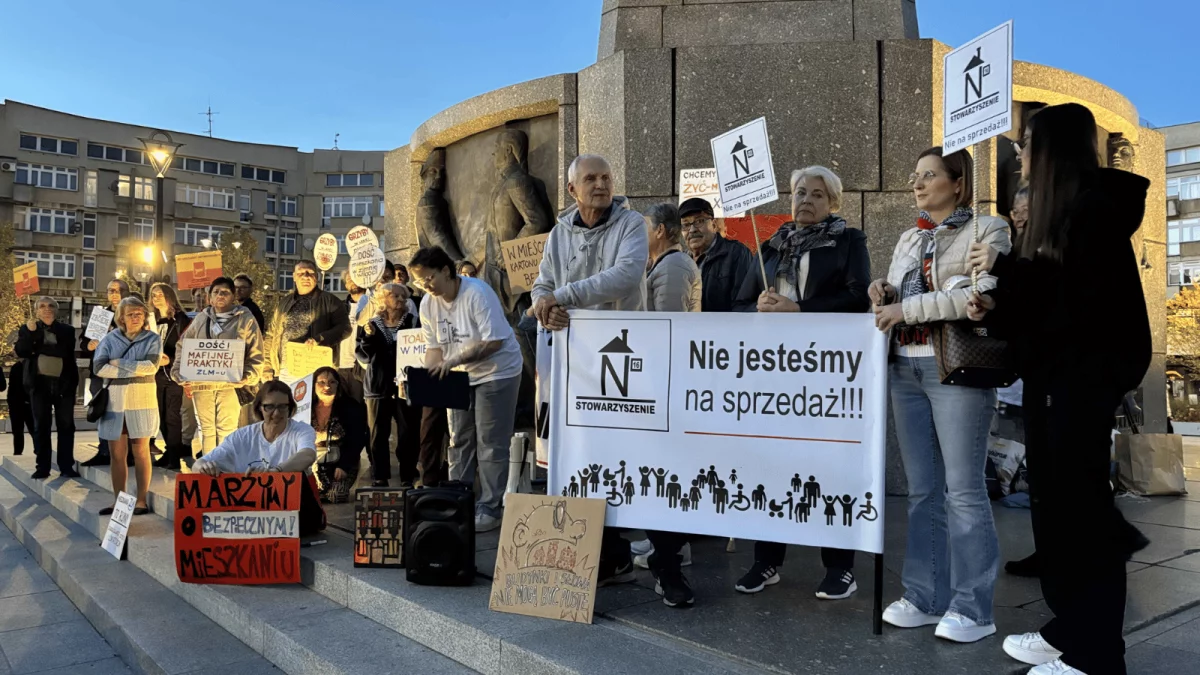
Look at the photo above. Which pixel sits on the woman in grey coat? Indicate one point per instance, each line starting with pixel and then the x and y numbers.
pixel 673 283
pixel 127 360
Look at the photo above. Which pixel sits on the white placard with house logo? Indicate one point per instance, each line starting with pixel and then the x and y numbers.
pixel 769 428
pixel 978 89
pixel 745 174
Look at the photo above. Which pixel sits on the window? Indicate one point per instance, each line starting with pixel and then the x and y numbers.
pixel 59 146
pixel 143 188
pixel 89 273
pixel 350 180
pixel 265 175
pixel 191 234
pixel 49 265
pixel 345 207
pixel 244 202
pixel 1180 231
pixel 116 154
pixel 289 206
pixel 143 228
pixel 333 283
pixel 90 189
pixel 1184 187
pixel 287 244
pixel 342 250
pixel 270 205
pixel 89 231
pixel 381 207
pixel 197 165
pixel 54 177
pixel 285 281
pixel 203 195
pixel 49 221
pixel 1183 274
pixel 1183 156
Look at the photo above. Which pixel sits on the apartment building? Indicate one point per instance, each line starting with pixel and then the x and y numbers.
pixel 80 194
pixel 1183 205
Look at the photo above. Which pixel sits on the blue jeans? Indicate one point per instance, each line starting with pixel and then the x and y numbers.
pixel 480 435
pixel 953 554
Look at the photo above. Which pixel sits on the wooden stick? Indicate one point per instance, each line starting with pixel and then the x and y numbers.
pixel 975 209
pixel 758 251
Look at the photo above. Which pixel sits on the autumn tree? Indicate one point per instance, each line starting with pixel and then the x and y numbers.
pixel 13 312
pixel 1183 331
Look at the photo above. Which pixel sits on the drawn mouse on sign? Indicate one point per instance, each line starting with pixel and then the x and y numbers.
pixel 548 537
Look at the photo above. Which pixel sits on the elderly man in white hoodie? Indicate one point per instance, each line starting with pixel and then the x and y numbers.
pixel 595 258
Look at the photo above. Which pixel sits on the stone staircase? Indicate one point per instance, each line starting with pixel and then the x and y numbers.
pixel 347 620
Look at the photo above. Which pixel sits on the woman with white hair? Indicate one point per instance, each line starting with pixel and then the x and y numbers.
pixel 127 360
pixel 814 264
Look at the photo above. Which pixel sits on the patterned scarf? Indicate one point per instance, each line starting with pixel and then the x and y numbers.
pixel 793 242
pixel 919 280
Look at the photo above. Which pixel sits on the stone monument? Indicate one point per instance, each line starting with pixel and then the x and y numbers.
pixel 434 227
pixel 519 208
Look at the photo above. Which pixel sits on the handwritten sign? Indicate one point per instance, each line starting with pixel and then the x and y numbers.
pixel 547 561
pixel 25 279
pixel 300 359
pixel 302 392
pixel 410 350
pixel 361 238
pixel 326 251
pixel 197 270
pixel 522 259
pixel 118 525
pixel 701 183
pixel 212 360
pixel 99 323
pixel 234 529
pixel 366 266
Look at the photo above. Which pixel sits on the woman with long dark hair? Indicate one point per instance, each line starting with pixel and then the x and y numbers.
pixel 341 426
pixel 1081 218
pixel 171 320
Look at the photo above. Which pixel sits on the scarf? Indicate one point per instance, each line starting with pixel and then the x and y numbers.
pixel 919 279
pixel 793 242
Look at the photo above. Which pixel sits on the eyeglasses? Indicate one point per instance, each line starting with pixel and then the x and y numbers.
pixel 274 407
pixel 424 281
pixel 696 224
pixel 135 315
pixel 913 178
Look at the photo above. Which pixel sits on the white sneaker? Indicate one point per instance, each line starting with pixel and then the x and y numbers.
pixel 642 560
pixel 958 628
pixel 1030 648
pixel 643 547
pixel 1055 667
pixel 485 523
pixel 904 614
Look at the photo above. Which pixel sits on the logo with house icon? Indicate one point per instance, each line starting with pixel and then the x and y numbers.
pixel 742 154
pixel 973 75
pixel 618 351
pixel 618 374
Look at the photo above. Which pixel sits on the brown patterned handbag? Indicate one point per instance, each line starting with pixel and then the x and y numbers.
pixel 967 356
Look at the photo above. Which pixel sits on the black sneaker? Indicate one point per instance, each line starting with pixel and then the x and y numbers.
pixel 759 577
pixel 98 460
pixel 620 575
pixel 69 473
pixel 674 589
pixel 838 584
pixel 1030 567
pixel 41 474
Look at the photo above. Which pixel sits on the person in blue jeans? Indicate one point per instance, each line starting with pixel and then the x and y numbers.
pixel 953 554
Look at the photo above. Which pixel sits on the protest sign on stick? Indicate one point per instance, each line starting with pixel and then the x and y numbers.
pixel 522 259
pixel 325 252
pixel 197 270
pixel 214 360
pixel 99 323
pixel 361 238
pixel 25 279
pixel 367 266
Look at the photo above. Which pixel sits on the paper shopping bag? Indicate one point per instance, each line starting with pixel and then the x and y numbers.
pixel 1151 464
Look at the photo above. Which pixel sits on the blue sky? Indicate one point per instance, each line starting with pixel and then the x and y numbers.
pixel 297 72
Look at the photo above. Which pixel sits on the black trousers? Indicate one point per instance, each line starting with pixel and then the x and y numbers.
pixel 20 418
pixel 772 553
pixel 381 412
pixel 170 419
pixel 667 547
pixel 53 407
pixel 614 552
pixel 435 426
pixel 1082 540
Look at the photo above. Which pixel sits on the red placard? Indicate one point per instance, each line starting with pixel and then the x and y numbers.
pixel 739 229
pixel 25 279
pixel 216 545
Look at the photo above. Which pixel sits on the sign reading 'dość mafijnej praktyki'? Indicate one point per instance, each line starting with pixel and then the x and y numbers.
pixel 769 428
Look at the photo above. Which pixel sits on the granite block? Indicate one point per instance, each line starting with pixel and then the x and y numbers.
pixel 886 215
pixel 1188 563
pixel 630 28
pixel 22 577
pixel 397 198
pixel 34 649
pixel 1149 659
pixel 111 666
pixel 821 101
pixel 885 20
pixel 757 23
pixel 907 112
pixel 254 666
pixel 1185 638
pixel 610 5
pixel 568 150
pixel 1159 627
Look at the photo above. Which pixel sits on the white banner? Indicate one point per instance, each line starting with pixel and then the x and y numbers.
pixel 212 360
pixel 410 351
pixel 542 381
pixel 769 428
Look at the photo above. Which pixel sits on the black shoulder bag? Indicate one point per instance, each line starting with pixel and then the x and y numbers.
pixel 99 403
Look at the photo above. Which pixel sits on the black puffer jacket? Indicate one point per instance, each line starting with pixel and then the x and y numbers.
pixel 722 269
pixel 32 343
pixel 379 353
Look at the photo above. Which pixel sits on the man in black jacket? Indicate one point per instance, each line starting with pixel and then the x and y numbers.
pixel 723 263
pixel 308 315
pixel 117 290
pixel 47 346
pixel 244 288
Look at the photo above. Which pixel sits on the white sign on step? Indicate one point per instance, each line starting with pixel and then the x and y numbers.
pixel 118 525
pixel 745 174
pixel 977 99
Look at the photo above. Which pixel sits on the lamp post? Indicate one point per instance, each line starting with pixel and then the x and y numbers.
pixel 160 150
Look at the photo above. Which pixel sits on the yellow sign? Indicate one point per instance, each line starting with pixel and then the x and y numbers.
pixel 25 279
pixel 301 360
pixel 547 559
pixel 522 259
pixel 197 270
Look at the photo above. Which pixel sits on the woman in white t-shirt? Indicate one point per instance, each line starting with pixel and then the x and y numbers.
pixel 466 330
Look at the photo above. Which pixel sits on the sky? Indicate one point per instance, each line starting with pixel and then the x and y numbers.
pixel 297 72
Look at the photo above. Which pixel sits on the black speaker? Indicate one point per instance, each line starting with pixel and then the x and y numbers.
pixel 439 535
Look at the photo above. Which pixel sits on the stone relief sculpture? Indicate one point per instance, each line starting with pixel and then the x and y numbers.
pixel 434 227
pixel 1120 152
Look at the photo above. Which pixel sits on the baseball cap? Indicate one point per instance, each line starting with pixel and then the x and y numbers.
pixel 695 205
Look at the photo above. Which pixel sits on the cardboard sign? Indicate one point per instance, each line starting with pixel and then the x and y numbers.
pixel 197 270
pixel 212 360
pixel 379 527
pixel 745 174
pixel 361 238
pixel 99 323
pixel 234 529
pixel 302 391
pixel 25 279
pixel 978 86
pixel 522 259
pixel 300 359
pixel 546 564
pixel 325 252
pixel 410 350
pixel 366 266
pixel 118 525
pixel 701 183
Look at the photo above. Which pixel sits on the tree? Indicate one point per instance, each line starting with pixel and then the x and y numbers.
pixel 239 255
pixel 1183 331
pixel 15 312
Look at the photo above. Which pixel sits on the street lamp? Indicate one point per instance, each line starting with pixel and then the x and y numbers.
pixel 160 150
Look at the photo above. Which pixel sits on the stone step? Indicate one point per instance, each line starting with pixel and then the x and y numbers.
pixel 457 623
pixel 291 626
pixel 137 616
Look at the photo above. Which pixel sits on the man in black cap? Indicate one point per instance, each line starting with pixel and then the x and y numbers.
pixel 723 263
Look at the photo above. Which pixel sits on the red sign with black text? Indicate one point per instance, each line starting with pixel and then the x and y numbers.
pixel 235 529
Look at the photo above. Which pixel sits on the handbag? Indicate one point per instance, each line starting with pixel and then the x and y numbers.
pixel 99 403
pixel 967 356
pixel 1149 464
